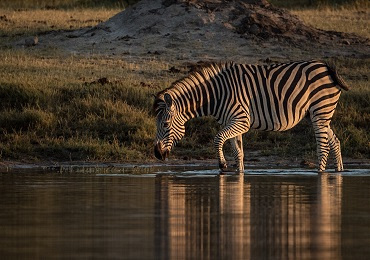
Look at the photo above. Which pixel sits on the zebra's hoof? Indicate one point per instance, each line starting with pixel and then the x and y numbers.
pixel 223 166
pixel 339 167
pixel 240 171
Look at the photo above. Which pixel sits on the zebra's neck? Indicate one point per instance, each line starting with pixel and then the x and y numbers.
pixel 197 94
pixel 192 106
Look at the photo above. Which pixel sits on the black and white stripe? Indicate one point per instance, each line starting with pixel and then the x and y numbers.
pixel 242 96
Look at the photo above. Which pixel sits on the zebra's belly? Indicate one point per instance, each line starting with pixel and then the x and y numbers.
pixel 275 123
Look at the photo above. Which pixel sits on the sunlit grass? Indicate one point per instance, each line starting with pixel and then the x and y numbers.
pixel 319 4
pixel 340 19
pixel 33 22
pixel 64 4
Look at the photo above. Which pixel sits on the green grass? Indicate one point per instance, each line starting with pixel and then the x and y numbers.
pixel 55 108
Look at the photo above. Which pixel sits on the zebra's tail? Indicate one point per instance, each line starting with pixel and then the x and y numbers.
pixel 337 78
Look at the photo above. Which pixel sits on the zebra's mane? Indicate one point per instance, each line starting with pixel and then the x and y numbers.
pixel 205 72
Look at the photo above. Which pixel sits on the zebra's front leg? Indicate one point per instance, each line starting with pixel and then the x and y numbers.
pixel 237 144
pixel 235 128
pixel 220 154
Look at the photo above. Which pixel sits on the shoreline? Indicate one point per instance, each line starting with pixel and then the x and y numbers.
pixel 266 162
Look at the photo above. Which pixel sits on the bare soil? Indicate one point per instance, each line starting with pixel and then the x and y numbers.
pixel 193 30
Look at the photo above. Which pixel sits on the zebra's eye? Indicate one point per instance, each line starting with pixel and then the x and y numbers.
pixel 166 124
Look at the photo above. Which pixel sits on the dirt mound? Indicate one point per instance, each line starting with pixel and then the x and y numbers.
pixel 244 30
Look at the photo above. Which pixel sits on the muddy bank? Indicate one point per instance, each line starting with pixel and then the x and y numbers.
pixel 267 162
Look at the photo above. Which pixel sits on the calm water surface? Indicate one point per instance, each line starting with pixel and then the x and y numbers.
pixel 185 213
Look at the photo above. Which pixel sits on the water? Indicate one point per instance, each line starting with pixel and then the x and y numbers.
pixel 185 213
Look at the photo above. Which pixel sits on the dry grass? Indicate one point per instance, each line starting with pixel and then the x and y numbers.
pixel 64 4
pixel 31 22
pixel 353 20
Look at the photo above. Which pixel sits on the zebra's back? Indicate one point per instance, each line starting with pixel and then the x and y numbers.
pixel 277 97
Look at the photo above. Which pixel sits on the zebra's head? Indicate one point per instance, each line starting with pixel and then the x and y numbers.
pixel 170 125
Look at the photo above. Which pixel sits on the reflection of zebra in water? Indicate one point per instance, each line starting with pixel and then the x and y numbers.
pixel 240 97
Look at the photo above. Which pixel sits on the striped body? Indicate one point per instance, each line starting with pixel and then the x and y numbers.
pixel 241 96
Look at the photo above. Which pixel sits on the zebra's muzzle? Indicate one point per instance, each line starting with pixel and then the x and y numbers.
pixel 159 154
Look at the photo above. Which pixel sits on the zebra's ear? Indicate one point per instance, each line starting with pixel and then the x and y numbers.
pixel 168 100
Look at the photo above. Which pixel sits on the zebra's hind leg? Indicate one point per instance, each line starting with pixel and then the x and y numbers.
pixel 237 145
pixel 321 135
pixel 334 144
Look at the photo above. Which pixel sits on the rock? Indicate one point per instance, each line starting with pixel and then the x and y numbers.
pixel 4 18
pixel 168 3
pixel 307 164
pixel 174 70
pixel 257 2
pixel 31 41
pixel 254 29
pixel 103 81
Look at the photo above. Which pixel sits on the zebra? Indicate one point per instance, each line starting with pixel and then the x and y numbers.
pixel 246 96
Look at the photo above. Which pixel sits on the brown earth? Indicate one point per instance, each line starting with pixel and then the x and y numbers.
pixel 192 30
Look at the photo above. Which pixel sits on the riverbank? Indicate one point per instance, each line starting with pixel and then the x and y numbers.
pixel 266 162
